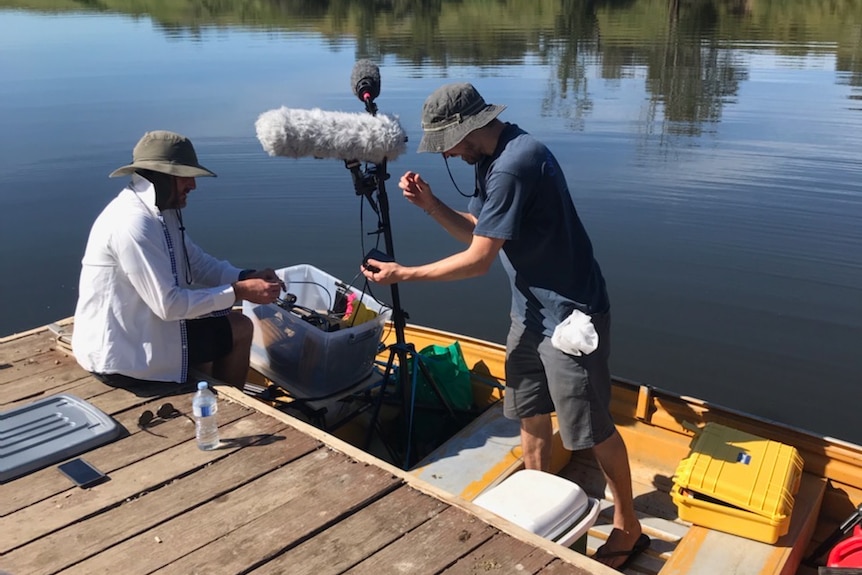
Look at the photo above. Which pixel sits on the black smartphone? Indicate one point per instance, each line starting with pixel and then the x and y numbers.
pixel 81 473
pixel 376 254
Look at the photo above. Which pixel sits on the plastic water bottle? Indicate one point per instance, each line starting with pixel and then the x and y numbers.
pixel 204 407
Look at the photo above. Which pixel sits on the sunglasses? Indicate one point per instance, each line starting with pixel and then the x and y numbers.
pixel 166 411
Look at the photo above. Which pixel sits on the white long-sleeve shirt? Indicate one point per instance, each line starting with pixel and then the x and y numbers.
pixel 133 296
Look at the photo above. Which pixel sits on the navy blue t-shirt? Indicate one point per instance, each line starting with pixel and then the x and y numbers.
pixel 523 198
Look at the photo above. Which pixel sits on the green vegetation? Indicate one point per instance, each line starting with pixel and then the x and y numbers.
pixel 482 24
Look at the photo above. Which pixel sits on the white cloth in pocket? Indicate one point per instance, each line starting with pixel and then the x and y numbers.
pixel 576 335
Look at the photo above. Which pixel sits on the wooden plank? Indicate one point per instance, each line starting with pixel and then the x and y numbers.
pixel 705 551
pixel 306 492
pixel 172 508
pixel 326 504
pixel 14 350
pixel 71 505
pixel 58 374
pixel 275 446
pixel 85 387
pixel 37 363
pixel 432 546
pixel 567 555
pixel 790 549
pixel 557 567
pixel 316 542
pixel 502 555
pixel 116 399
pixel 338 548
pixel 41 365
pixel 112 457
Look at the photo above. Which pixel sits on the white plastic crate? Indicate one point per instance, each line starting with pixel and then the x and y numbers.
pixel 304 359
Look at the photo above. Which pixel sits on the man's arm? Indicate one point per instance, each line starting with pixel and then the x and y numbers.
pixel 140 252
pixel 207 270
pixel 460 225
pixel 475 261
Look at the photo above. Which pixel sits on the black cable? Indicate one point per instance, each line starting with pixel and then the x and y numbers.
pixel 475 175
pixel 185 249
pixel 320 285
pixel 366 289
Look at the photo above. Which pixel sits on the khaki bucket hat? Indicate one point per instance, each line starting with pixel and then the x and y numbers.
pixel 450 113
pixel 164 152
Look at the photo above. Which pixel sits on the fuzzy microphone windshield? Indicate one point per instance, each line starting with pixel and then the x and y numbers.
pixel 298 133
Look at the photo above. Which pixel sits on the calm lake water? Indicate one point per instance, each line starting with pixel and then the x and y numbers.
pixel 712 149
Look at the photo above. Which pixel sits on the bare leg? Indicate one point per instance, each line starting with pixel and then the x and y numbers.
pixel 613 459
pixel 536 436
pixel 233 368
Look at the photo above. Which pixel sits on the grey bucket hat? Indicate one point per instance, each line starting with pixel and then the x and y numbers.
pixel 450 113
pixel 164 152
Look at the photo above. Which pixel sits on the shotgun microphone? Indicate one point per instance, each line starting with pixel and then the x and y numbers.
pixel 365 81
pixel 296 133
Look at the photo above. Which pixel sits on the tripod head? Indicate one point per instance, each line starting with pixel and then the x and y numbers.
pixel 364 181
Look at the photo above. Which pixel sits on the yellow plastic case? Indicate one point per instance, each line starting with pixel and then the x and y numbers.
pixel 737 482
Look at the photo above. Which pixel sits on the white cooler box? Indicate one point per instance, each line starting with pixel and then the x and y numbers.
pixel 307 361
pixel 544 504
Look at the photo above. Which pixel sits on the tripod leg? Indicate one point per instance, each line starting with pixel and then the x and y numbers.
pixel 374 424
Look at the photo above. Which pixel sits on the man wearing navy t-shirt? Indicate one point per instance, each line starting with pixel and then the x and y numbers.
pixel 523 212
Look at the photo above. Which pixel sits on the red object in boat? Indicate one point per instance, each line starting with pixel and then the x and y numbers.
pixel 847 553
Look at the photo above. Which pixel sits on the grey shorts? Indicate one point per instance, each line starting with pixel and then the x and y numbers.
pixel 541 379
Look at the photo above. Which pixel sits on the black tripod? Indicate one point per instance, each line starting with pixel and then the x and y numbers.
pixel 370 184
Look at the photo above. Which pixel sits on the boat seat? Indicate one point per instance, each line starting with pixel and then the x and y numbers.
pixel 482 454
pixel 545 504
pixel 704 551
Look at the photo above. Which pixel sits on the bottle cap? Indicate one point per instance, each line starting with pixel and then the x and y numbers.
pixel 203 385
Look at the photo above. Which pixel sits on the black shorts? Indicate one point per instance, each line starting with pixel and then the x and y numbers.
pixel 210 338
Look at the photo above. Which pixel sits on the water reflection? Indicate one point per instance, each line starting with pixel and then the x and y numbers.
pixel 687 47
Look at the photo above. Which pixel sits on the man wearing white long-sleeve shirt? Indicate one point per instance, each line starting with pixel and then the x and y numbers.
pixel 151 303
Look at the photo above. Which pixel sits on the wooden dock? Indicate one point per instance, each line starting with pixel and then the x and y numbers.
pixel 278 496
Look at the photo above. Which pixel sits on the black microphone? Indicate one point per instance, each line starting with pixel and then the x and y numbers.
pixel 365 81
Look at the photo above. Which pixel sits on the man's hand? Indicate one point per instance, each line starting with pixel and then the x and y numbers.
pixel 258 290
pixel 384 273
pixel 269 275
pixel 417 191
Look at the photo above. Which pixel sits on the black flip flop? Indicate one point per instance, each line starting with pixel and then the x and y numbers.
pixel 641 545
